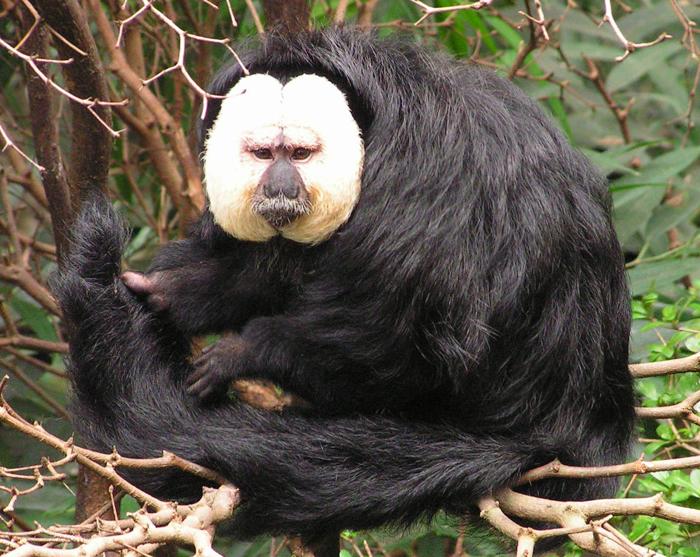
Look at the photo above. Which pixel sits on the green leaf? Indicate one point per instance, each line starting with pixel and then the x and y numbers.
pixel 665 216
pixel 557 109
pixel 476 22
pixel 35 317
pixel 653 325
pixel 608 162
pixel 663 167
pixel 511 36
pixel 640 63
pixel 648 389
pixel 693 343
pixel 633 208
pixel 669 314
pixel 661 273
pixel 639 310
pixel 139 241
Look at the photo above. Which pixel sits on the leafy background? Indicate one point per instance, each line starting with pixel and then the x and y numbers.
pixel 650 157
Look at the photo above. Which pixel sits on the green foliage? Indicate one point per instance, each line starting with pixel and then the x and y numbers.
pixel 665 328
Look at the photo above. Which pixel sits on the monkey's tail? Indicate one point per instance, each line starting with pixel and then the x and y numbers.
pixel 297 474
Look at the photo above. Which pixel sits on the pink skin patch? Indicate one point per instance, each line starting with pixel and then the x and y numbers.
pixel 142 285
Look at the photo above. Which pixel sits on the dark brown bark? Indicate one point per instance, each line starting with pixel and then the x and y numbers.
pixel 286 15
pixel 91 143
pixel 91 140
pixel 45 132
pixel 93 493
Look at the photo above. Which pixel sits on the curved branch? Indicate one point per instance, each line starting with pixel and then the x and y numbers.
pixel 684 409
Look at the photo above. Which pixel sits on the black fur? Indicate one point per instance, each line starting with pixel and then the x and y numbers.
pixel 469 322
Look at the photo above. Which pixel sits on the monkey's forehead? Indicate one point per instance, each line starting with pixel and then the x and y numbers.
pixel 260 101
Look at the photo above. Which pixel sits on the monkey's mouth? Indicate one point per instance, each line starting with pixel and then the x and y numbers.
pixel 279 211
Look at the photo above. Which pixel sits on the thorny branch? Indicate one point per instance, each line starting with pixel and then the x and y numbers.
pixel 541 21
pixel 193 525
pixel 431 10
pixel 630 46
pixel 89 104
pixel 183 36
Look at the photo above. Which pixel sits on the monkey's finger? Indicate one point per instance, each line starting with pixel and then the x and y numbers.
pixel 138 283
pixel 201 370
pixel 208 348
pixel 202 388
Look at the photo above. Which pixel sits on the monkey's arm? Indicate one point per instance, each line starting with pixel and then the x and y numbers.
pixel 336 360
pixel 199 289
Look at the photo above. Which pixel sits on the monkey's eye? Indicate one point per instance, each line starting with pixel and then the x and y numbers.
pixel 301 154
pixel 263 154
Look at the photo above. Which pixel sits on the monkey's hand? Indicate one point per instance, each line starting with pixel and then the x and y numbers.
pixel 151 287
pixel 216 368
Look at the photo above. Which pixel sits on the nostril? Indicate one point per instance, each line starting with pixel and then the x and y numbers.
pixel 269 190
pixel 290 190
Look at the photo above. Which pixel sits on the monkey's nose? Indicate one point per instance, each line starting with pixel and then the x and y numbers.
pixel 288 189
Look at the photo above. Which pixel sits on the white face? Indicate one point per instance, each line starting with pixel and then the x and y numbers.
pixel 260 120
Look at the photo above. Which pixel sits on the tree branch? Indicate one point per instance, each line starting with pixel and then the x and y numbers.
pixel 91 141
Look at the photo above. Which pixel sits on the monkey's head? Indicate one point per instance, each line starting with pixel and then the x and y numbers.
pixel 283 159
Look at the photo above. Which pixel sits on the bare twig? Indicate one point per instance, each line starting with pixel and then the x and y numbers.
pixel 366 12
pixel 179 65
pixel 34 387
pixel 584 522
pixel 256 17
pixel 22 341
pixel 88 103
pixel 9 144
pixel 630 47
pixel 120 65
pixel 620 113
pixel 431 10
pixel 340 10
pixel 20 276
pixel 556 469
pixel 190 524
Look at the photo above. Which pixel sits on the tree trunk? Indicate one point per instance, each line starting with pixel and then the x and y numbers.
pixel 91 143
pixel 286 16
